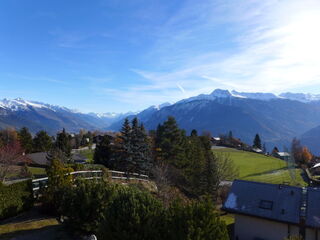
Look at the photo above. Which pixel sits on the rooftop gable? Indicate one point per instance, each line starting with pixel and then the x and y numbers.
pixel 275 202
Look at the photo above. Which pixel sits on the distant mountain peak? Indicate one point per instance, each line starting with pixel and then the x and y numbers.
pixel 301 97
pixel 255 95
pixel 221 93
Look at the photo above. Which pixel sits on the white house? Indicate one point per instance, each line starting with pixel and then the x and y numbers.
pixel 273 212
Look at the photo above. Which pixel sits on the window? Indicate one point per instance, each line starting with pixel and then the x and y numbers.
pixel 264 204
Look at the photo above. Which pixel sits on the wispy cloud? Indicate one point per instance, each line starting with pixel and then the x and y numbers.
pixel 248 45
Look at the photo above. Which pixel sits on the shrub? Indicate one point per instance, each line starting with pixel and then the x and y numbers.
pixel 198 220
pixel 134 215
pixel 84 204
pixel 58 179
pixel 15 198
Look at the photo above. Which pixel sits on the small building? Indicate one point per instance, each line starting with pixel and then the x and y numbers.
pixel 273 212
pixel 215 141
pixel 282 155
pixel 38 159
pixel 257 150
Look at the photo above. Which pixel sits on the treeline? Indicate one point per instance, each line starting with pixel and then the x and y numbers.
pixel 42 142
pixel 168 155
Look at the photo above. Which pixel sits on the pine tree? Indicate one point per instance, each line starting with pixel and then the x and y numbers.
pixel 42 142
pixel 171 141
pixel 145 161
pixel 63 143
pixel 194 133
pixel 230 135
pixel 103 152
pixel 25 139
pixel 195 163
pixel 210 174
pixel 257 141
pixel 125 151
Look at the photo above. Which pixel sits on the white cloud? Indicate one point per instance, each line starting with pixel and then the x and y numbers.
pixel 274 46
pixel 252 45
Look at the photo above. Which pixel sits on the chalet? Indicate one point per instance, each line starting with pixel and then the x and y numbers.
pixel 282 155
pixel 257 150
pixel 273 212
pixel 215 141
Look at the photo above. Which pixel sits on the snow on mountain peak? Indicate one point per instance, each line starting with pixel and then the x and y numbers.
pixel 220 93
pixel 301 97
pixel 254 95
pixel 21 104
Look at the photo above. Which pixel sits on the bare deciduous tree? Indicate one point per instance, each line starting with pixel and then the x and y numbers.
pixel 10 156
pixel 226 170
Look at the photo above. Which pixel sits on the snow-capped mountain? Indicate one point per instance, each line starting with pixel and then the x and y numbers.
pixel 19 104
pixel 277 118
pixel 221 94
pixel 41 116
pixel 301 97
pixel 257 95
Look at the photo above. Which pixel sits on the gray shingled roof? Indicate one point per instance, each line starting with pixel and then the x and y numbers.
pixel 38 158
pixel 313 208
pixel 275 202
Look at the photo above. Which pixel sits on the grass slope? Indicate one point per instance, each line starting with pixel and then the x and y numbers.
pixel 260 168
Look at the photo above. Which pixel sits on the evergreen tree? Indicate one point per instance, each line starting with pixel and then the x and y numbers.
pixel 63 143
pixel 103 151
pixel 195 163
pixel 56 154
pixel 171 142
pixel 135 153
pixel 25 139
pixel 257 141
pixel 42 142
pixel 125 151
pixel 194 133
pixel 230 135
pixel 210 179
pixel 140 147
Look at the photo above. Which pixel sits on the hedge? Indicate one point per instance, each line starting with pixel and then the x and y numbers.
pixel 15 198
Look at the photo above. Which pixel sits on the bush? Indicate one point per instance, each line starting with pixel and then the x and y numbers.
pixel 134 215
pixel 84 204
pixel 15 198
pixel 58 180
pixel 113 211
pixel 198 220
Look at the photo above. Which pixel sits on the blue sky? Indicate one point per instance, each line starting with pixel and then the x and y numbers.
pixel 118 56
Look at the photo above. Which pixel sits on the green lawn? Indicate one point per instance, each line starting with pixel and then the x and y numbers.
pixel 228 219
pixel 281 176
pixel 88 154
pixel 37 171
pixel 27 225
pixel 260 168
pixel 250 163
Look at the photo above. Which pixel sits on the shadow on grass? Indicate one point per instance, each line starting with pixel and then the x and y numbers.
pixel 56 232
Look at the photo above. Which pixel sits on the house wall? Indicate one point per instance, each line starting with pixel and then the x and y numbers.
pixel 312 234
pixel 252 228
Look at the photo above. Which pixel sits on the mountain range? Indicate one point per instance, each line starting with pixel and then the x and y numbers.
pixel 40 116
pixel 277 118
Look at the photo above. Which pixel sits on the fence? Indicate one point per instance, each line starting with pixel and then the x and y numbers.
pixel 94 174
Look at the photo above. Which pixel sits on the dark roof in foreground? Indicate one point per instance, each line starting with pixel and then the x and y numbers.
pixel 313 208
pixel 270 201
